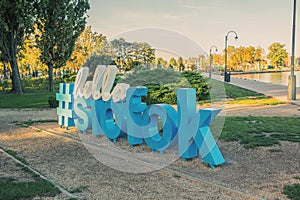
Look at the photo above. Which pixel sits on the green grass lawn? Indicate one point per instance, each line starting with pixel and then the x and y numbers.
pixel 238 95
pixel 234 92
pixel 243 96
pixel 30 99
pixel 253 132
pixel 260 131
pixel 11 188
pixel 257 101
pixel 292 191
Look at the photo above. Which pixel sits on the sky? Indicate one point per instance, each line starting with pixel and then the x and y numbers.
pixel 203 22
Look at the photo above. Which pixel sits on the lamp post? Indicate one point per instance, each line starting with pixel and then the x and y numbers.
pixel 226 74
pixel 211 58
pixel 292 76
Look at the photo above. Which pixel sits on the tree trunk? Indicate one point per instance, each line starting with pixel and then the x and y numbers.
pixel 50 73
pixel 5 71
pixel 16 80
pixel 15 76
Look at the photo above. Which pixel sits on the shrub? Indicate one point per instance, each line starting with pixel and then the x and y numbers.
pixel 53 103
pixel 3 85
pixel 32 82
pixel 199 83
pixel 156 76
pixel 162 84
pixel 70 78
pixel 159 94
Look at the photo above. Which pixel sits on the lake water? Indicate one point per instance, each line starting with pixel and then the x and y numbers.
pixel 280 78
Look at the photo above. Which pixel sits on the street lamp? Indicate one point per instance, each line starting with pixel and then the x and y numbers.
pixel 211 58
pixel 292 76
pixel 226 74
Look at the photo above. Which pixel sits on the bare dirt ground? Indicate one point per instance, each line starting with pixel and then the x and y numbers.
pixel 257 173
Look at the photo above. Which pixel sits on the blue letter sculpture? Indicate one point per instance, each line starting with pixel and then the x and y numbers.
pixel 194 133
pixel 65 110
pixel 188 128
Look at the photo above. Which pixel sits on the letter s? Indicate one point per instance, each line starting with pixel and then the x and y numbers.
pixel 83 120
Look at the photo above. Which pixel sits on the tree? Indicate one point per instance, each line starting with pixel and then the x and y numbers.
pixel 97 59
pixel 86 45
pixel 29 57
pixel 129 55
pixel 120 49
pixel 120 44
pixel 259 57
pixel 237 56
pixel 160 62
pixel 277 54
pixel 4 62
pixel 297 61
pixel 203 61
pixel 249 54
pixel 172 63
pixel 259 54
pixel 231 59
pixel 60 23
pixel 16 20
pixel 180 64
pixel 143 52
pixel 218 59
pixel 139 53
pixel 242 57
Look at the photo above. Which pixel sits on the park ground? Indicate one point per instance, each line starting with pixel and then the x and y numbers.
pixel 261 172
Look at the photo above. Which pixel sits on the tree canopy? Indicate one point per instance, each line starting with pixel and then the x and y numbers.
pixel 44 35
pixel 88 44
pixel 60 23
pixel 277 54
pixel 173 63
pixel 131 55
pixel 180 64
pixel 16 22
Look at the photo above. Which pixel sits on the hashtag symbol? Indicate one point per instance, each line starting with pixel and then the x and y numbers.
pixel 65 109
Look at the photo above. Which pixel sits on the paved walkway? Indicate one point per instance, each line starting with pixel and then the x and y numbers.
pixel 273 90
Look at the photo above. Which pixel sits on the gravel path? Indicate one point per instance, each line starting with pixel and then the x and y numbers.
pixel 259 173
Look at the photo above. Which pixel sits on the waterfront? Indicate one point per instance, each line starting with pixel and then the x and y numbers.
pixel 280 78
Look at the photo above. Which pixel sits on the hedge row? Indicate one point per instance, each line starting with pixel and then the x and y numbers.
pixel 162 84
